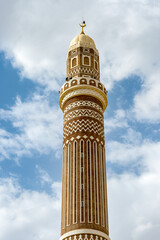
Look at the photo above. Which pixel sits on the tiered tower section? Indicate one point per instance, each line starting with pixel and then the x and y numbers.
pixel 83 58
pixel 83 99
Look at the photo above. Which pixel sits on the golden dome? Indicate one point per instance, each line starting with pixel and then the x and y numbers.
pixel 82 40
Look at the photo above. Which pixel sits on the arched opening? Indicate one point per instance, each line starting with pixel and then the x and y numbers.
pixel 74 62
pixel 86 60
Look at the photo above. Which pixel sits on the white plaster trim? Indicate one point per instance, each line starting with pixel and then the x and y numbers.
pixel 77 183
pixel 96 183
pixel 105 188
pixel 68 187
pixel 102 182
pixel 89 183
pixel 80 157
pixel 82 208
pixel 94 169
pixel 88 212
pixel 107 224
pixel 84 91
pixel 70 182
pixel 64 193
pixel 74 155
pixel 78 79
pixel 91 178
pixel 85 231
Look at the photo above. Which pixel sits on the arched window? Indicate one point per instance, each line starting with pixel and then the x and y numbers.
pixel 74 62
pixel 86 60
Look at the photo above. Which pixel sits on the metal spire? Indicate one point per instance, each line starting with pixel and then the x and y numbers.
pixel 82 26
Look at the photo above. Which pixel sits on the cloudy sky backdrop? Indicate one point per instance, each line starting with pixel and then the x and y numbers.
pixel 34 40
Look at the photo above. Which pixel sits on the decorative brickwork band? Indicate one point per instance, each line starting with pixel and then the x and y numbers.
pixel 82 113
pixel 91 91
pixel 85 71
pixel 83 125
pixel 82 103
pixel 85 234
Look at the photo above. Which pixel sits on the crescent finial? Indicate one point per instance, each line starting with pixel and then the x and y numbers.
pixel 82 26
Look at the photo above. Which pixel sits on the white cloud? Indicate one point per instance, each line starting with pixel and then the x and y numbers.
pixel 134 196
pixel 147 102
pixel 44 176
pixel 133 206
pixel 119 120
pixel 139 152
pixel 38 128
pixel 28 214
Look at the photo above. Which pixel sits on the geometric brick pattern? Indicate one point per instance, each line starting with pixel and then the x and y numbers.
pixel 83 125
pixel 81 136
pixel 84 70
pixel 83 104
pixel 83 113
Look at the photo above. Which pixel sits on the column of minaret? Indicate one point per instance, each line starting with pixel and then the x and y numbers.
pixel 83 100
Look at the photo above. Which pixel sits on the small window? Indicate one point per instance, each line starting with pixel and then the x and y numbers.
pixel 82 186
pixel 82 169
pixel 86 60
pixel 96 65
pixel 74 62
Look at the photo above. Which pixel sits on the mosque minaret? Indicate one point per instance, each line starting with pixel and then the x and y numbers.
pixel 83 100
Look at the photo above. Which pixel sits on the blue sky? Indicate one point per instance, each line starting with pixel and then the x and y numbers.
pixel 34 40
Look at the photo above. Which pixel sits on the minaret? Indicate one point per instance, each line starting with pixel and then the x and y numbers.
pixel 83 99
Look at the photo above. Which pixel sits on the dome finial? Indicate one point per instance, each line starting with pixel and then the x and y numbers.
pixel 82 26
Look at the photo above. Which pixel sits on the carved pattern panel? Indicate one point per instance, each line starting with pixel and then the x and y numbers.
pixel 83 103
pixel 82 113
pixel 83 125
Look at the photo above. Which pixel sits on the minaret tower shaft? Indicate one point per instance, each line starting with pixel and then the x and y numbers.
pixel 83 99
